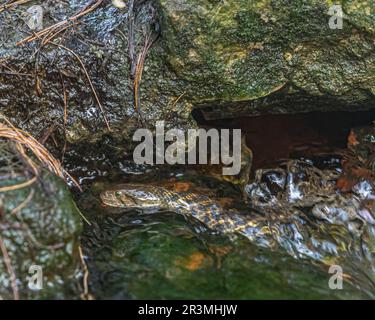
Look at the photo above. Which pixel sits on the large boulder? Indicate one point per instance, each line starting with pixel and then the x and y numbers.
pixel 232 57
pixel 39 231
pixel 231 51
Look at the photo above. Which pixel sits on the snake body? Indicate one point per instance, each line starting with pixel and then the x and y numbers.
pixel 191 205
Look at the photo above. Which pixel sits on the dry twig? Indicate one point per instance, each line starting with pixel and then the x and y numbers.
pixel 12 4
pixel 139 71
pixel 18 186
pixel 65 101
pixel 24 203
pixel 85 274
pixel 136 62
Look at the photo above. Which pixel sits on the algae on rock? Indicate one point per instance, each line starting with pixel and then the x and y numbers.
pixel 244 50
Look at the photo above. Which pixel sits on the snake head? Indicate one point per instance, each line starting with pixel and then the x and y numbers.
pixel 132 197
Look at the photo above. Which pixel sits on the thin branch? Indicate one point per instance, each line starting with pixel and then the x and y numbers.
pixel 85 274
pixel 23 204
pixel 139 71
pixel 65 101
pixel 12 4
pixel 18 186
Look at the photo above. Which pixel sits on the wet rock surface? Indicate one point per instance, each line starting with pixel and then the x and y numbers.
pixel 56 90
pixel 243 50
pixel 257 57
pixel 39 226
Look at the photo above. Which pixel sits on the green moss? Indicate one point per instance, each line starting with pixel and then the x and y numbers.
pixel 244 50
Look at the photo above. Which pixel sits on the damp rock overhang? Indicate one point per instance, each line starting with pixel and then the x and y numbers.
pixel 281 102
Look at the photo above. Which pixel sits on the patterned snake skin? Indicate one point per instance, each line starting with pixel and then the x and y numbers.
pixel 199 207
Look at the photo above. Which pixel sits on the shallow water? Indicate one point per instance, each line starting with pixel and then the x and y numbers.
pixel 159 256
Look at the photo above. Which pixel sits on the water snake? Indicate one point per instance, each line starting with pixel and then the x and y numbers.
pixel 199 207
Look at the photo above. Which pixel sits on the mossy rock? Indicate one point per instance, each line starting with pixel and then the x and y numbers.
pixel 256 57
pixel 40 226
pixel 245 50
